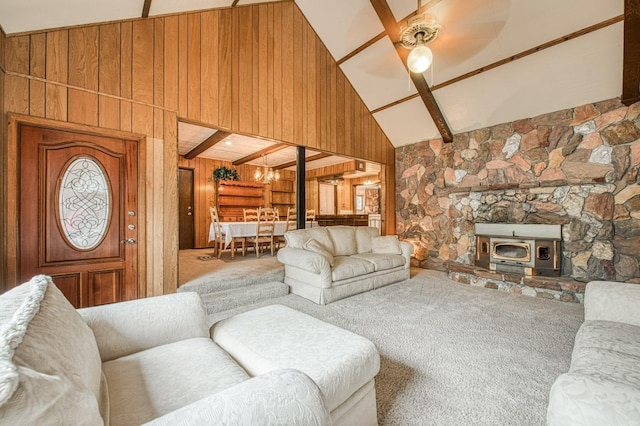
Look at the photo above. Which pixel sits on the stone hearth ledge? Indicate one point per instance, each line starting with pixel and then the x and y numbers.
pixel 558 288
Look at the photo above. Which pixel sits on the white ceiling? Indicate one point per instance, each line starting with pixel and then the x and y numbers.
pixel 475 33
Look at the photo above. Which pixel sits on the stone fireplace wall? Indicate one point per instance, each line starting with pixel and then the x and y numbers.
pixel 576 167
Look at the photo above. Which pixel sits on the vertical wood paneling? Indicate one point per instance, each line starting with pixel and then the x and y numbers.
pixel 109 76
pixel 3 43
pixel 270 72
pixel 56 70
pixel 287 73
pixel 339 106
pixel 277 71
pixel 245 63
pixel 171 62
pixel 158 77
pixel 311 80
pixel 298 75
pixel 142 62
pixel 333 109
pixel 261 103
pixel 183 80
pixel 225 69
pixel 3 156
pixel 235 69
pixel 348 123
pixel 170 207
pixel 83 72
pixel 255 65
pixel 37 68
pixel 209 67
pixel 17 88
pixel 126 72
pixel 193 66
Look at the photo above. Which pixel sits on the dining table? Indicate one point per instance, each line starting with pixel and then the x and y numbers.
pixel 233 230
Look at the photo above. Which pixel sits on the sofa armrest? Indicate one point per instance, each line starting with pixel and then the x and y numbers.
pixel 282 397
pixel 304 259
pixel 129 327
pixel 612 301
pixel 407 250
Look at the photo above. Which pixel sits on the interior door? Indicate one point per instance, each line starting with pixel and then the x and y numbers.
pixel 327 199
pixel 78 219
pixel 185 208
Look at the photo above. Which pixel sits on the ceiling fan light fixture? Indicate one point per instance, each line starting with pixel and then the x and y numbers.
pixel 420 59
pixel 420 31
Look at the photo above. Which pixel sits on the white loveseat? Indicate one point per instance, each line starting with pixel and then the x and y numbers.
pixel 330 263
pixel 602 386
pixel 153 360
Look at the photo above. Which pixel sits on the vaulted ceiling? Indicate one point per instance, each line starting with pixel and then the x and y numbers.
pixel 494 60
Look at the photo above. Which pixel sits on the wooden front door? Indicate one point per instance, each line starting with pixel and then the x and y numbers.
pixel 185 208
pixel 78 213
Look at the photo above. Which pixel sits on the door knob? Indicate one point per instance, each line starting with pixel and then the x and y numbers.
pixel 129 241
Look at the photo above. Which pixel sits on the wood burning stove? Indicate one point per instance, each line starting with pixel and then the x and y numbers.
pixel 519 248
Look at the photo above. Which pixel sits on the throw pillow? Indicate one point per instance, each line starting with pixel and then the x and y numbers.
pixel 316 247
pixel 50 367
pixel 388 244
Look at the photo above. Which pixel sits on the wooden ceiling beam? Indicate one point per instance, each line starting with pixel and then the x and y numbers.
pixel 309 159
pixel 392 28
pixel 268 150
pixel 218 136
pixel 361 48
pixel 146 8
pixel 631 53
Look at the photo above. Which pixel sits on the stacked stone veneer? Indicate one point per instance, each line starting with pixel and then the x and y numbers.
pixel 576 167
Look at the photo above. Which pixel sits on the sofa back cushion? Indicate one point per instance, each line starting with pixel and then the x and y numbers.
pixel 364 235
pixel 344 240
pixel 299 237
pixel 50 368
pixel 388 244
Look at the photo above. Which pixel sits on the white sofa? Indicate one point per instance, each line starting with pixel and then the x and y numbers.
pixel 330 263
pixel 602 386
pixel 153 360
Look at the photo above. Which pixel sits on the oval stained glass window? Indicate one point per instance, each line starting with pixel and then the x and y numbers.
pixel 84 208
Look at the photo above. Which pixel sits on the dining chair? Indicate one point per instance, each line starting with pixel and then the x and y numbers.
pixel 292 224
pixel 311 214
pixel 250 215
pixel 268 213
pixel 264 233
pixel 219 237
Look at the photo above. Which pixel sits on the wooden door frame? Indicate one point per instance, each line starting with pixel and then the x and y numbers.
pixel 11 178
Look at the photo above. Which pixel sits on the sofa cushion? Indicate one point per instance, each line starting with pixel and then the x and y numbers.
pixel 280 397
pixel 344 240
pixel 157 381
pixel 605 349
pixel 603 383
pixel 299 237
pixel 316 247
pixel 273 337
pixel 346 267
pixel 382 262
pixel 50 368
pixel 364 235
pixel 388 244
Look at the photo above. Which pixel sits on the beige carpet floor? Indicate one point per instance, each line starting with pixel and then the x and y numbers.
pixel 453 354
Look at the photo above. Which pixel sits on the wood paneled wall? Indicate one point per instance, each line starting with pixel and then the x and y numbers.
pixel 3 150
pixel 255 69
